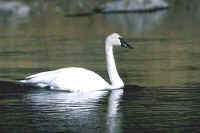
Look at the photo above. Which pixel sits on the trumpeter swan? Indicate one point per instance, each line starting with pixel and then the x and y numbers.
pixel 77 79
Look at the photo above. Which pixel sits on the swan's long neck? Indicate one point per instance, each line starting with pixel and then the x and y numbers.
pixel 116 81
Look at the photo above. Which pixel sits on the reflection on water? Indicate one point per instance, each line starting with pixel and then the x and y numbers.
pixel 134 108
pixel 137 22
pixel 73 111
pixel 113 115
pixel 46 110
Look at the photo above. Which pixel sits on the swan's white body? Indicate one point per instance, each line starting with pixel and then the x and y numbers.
pixel 79 79
pixel 71 79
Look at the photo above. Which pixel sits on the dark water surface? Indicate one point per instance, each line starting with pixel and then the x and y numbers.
pixel 165 61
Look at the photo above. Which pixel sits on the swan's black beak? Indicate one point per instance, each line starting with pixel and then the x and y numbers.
pixel 125 44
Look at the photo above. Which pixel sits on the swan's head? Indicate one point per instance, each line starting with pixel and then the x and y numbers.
pixel 115 39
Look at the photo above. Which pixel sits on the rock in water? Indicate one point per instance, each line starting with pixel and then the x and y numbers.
pixel 134 6
pixel 14 8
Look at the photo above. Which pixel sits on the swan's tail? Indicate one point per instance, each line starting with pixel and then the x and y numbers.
pixel 27 82
pixel 21 80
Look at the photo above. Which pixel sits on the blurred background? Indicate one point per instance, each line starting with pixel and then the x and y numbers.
pixel 42 35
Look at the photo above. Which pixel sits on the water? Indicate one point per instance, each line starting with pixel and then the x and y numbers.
pixel 165 63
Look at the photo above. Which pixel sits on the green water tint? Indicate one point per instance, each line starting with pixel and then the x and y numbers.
pixel 165 60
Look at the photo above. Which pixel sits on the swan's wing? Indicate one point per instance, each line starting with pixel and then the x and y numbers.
pixel 46 77
pixel 40 79
pixel 47 74
pixel 73 79
pixel 79 79
pixel 38 75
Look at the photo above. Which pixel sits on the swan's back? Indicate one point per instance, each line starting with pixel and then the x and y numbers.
pixel 71 79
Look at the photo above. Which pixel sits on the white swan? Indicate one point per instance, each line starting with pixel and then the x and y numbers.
pixel 77 79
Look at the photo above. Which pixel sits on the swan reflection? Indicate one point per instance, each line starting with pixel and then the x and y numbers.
pixel 114 116
pixel 76 111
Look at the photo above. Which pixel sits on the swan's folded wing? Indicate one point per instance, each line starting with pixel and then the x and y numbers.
pixel 41 79
pixel 39 75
